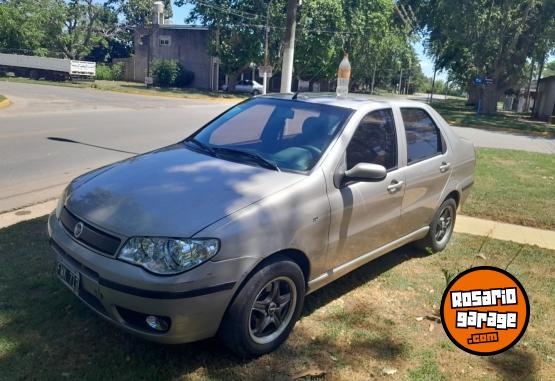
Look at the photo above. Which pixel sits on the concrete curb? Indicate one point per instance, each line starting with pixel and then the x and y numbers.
pixel 506 232
pixel 5 103
pixel 28 213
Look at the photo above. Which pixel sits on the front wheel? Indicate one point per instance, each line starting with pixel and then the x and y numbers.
pixel 441 228
pixel 265 310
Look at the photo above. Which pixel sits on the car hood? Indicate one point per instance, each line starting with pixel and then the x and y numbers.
pixel 172 192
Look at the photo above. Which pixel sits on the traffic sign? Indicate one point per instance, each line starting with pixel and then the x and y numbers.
pixel 265 71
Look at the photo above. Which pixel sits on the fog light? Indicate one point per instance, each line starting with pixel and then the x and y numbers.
pixel 157 323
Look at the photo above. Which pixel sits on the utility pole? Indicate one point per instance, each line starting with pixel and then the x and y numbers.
pixel 373 79
pixel 433 83
pixel 407 86
pixel 289 46
pixel 265 77
pixel 401 81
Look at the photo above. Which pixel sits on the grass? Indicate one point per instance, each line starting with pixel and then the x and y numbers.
pixel 2 97
pixel 514 186
pixel 457 113
pixel 131 88
pixel 353 329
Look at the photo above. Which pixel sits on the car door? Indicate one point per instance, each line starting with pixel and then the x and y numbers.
pixel 240 86
pixel 365 215
pixel 428 168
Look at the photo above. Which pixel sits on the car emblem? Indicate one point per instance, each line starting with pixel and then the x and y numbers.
pixel 78 230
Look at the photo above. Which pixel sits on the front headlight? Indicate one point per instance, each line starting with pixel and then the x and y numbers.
pixel 168 255
pixel 61 202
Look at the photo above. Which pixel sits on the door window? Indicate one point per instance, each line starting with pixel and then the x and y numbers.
pixel 423 136
pixel 374 141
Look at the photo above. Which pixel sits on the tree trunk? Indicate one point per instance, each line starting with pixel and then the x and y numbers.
pixel 473 95
pixel 488 105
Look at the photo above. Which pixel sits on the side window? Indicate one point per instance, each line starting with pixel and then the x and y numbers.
pixel 374 141
pixel 423 136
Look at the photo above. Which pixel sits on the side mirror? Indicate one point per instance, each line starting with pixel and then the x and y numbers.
pixel 365 172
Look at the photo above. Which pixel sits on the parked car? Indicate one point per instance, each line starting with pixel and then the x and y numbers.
pixel 249 86
pixel 226 231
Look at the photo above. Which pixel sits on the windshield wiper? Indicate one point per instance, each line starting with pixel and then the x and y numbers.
pixel 251 155
pixel 201 145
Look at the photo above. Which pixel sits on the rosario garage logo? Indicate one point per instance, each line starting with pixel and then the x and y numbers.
pixel 485 310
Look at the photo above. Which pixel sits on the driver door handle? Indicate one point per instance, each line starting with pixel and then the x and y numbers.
pixel 444 167
pixel 395 186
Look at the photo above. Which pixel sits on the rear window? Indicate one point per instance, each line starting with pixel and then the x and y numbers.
pixel 423 136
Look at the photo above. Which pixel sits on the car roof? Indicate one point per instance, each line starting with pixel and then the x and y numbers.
pixel 352 101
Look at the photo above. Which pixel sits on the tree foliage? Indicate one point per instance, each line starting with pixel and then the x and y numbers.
pixel 494 38
pixel 369 31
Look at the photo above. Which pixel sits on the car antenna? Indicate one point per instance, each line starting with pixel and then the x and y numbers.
pixel 310 80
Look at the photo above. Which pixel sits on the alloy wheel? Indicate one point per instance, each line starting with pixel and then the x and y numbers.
pixel 272 310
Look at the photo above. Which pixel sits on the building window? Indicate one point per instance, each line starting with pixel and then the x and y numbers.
pixel 165 41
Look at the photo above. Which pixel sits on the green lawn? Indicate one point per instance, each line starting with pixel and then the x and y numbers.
pixel 514 186
pixel 352 329
pixel 132 88
pixel 457 113
pixel 2 97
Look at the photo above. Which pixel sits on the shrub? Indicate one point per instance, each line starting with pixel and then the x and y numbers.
pixel 103 72
pixel 109 73
pixel 118 71
pixel 164 72
pixel 184 77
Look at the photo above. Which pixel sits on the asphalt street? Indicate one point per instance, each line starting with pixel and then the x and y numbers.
pixel 34 168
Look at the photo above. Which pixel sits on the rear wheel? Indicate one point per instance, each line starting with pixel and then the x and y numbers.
pixel 441 228
pixel 265 310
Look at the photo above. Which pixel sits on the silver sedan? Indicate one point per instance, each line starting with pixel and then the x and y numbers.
pixel 226 231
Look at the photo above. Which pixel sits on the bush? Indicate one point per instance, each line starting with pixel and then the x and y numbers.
pixel 118 70
pixel 107 73
pixel 164 73
pixel 184 77
pixel 103 72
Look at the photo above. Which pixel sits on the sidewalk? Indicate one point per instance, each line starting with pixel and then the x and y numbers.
pixel 464 224
pixel 506 232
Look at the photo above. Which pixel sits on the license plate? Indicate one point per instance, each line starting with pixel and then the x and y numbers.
pixel 68 277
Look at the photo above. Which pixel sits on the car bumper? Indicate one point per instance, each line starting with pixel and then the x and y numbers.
pixel 194 302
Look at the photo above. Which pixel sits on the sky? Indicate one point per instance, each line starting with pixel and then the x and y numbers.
pixel 179 14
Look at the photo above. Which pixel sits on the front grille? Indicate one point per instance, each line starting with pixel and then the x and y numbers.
pixel 90 235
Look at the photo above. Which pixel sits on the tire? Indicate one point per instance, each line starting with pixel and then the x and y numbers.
pixel 255 93
pixel 241 326
pixel 437 240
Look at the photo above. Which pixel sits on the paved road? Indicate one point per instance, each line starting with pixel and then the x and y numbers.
pixel 34 168
pixel 483 138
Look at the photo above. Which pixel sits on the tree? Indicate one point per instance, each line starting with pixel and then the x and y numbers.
pixel 28 26
pixel 549 69
pixel 494 38
pixel 238 27
pixel 368 30
pixel 86 24
pixel 138 12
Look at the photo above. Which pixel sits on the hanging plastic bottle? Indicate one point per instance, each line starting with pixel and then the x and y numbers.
pixel 343 76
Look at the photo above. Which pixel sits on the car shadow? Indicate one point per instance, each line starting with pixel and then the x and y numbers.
pixel 46 332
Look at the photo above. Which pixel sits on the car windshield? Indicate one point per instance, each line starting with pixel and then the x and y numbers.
pixel 277 134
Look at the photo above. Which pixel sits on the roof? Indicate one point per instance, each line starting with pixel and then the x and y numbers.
pixel 548 79
pixel 353 100
pixel 179 27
